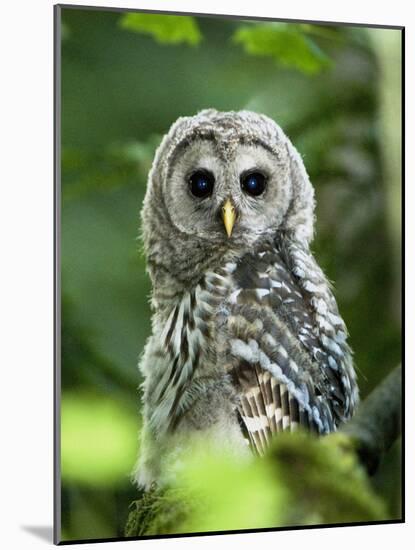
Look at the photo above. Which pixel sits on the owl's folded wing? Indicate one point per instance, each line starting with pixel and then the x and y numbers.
pixel 277 360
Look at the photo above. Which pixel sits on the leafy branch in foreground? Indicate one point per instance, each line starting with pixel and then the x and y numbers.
pixel 302 480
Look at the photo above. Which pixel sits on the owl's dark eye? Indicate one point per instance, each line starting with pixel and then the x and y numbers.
pixel 201 183
pixel 253 183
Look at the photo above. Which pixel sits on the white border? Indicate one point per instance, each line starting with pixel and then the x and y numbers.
pixel 26 267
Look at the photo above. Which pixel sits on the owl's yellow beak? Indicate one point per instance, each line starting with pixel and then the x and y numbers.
pixel 228 216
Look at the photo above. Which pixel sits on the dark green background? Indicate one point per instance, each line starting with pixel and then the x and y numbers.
pixel 121 90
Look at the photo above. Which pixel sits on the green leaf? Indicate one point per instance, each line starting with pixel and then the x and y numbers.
pixel 232 494
pixel 287 44
pixel 98 440
pixel 165 29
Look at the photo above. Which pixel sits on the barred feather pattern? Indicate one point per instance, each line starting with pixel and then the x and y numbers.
pixel 188 340
pixel 291 361
pixel 272 320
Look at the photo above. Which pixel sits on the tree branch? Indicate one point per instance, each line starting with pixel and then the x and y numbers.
pixel 377 423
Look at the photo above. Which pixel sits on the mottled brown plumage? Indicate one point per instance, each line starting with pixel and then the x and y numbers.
pixel 247 340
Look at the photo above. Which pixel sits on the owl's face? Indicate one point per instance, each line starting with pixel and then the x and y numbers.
pixel 221 183
pixel 227 192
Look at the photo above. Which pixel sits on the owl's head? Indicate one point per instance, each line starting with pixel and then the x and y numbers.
pixel 221 183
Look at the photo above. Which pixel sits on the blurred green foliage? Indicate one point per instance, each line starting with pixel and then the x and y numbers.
pixel 99 443
pixel 166 29
pixel 286 43
pixel 125 79
pixel 301 481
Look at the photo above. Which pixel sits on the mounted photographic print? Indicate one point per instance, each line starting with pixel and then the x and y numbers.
pixel 228 274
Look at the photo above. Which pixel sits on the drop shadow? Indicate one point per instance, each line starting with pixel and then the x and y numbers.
pixel 43 532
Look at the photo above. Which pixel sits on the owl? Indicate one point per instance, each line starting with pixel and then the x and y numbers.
pixel 247 340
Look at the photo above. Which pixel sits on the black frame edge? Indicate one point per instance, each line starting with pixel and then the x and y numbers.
pixel 56 278
pixel 230 16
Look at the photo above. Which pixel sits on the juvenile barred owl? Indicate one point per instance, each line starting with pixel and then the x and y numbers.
pixel 247 340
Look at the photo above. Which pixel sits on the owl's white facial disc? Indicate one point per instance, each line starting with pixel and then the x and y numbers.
pixel 207 173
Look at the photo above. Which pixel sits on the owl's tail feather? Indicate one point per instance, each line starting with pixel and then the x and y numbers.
pixel 266 406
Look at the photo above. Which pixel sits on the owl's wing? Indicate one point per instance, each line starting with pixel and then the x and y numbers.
pixel 290 360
